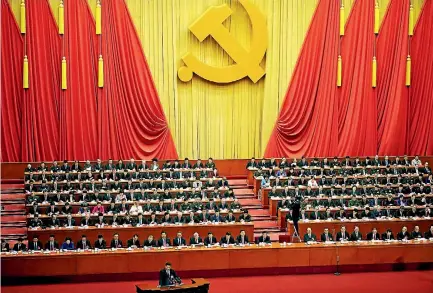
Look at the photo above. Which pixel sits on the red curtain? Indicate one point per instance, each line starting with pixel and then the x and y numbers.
pixel 40 122
pixel 131 119
pixel 78 106
pixel 392 94
pixel 421 91
pixel 357 127
pixel 308 121
pixel 11 89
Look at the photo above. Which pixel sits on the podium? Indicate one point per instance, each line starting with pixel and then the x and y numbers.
pixel 197 286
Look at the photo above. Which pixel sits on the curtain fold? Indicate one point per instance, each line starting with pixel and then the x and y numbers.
pixel 308 120
pixel 357 127
pixel 130 116
pixel 11 89
pixel 392 94
pixel 40 122
pixel 78 106
pixel 421 91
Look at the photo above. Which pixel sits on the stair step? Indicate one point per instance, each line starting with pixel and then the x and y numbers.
pixel 261 212
pixel 243 191
pixel 246 196
pixel 269 230
pixel 6 196
pixel 237 181
pixel 12 186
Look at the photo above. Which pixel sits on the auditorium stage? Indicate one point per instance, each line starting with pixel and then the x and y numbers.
pixel 234 261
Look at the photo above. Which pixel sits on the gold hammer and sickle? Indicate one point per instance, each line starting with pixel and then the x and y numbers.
pixel 247 62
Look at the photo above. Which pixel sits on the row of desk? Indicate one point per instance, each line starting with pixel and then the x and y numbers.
pixel 208 259
pixel 365 226
pixel 143 232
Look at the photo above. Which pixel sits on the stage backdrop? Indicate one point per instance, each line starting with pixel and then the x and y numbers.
pixel 296 109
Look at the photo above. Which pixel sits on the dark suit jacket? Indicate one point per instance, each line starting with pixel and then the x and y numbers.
pixel 266 240
pixel 79 244
pixel 239 239
pixel 428 235
pixel 370 236
pixel 23 247
pixel 224 240
pixel 353 236
pixel 339 236
pixel 131 242
pixel 165 279
pixel 401 236
pixel 385 237
pixel 193 241
pixel 167 240
pixel 39 246
pixel 5 248
pixel 323 237
pixel 310 238
pixel 176 241
pixel 102 245
pixel 47 245
pixel 148 243
pixel 207 241
pixel 119 243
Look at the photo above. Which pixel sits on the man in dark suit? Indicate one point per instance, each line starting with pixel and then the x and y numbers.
pixel 342 235
pixel 51 244
pixel 242 238
pixel 167 276
pixel 150 242
pixel 86 221
pixel 388 235
pixel 69 221
pixel 416 233
pixel 429 233
pixel 252 163
pixel 356 235
pixel 164 241
pixel 227 239
pixel 403 234
pixel 133 242
pixel 100 243
pixel 373 235
pixel 35 244
pixel 210 239
pixel 179 240
pixel 195 239
pixel 309 236
pixel 20 246
pixel 116 242
pixel 245 217
pixel 264 238
pixel 84 243
pixel 326 236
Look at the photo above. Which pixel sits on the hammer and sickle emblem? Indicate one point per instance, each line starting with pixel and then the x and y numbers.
pixel 247 63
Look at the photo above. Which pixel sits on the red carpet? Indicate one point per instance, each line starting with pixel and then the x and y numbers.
pixel 416 281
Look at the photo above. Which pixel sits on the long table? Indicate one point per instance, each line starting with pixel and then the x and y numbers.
pixel 126 233
pixel 364 226
pixel 275 257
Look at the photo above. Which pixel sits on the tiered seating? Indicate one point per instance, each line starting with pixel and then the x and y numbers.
pixel 351 188
pixel 128 195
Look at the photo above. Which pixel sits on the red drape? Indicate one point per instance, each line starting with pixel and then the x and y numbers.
pixel 11 89
pixel 308 121
pixel 421 91
pixel 392 94
pixel 357 128
pixel 78 106
pixel 40 123
pixel 131 119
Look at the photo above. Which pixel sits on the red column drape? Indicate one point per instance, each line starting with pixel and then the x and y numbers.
pixel 421 91
pixel 78 106
pixel 308 120
pixel 392 94
pixel 40 122
pixel 131 119
pixel 11 89
pixel 357 127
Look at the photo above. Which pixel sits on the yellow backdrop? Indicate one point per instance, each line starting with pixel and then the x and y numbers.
pixel 206 119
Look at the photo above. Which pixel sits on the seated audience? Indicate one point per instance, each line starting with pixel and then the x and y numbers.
pixel 68 244
pixel 52 244
pixel 100 243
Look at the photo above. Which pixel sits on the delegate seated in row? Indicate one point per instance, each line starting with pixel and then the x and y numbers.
pixel 161 206
pixel 90 197
pixel 335 162
pixel 117 219
pixel 84 244
pixel 358 214
pixel 374 235
pixel 359 201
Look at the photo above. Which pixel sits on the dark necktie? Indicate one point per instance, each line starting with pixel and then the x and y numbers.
pixel 115 243
pixel 52 246
pixel 35 245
